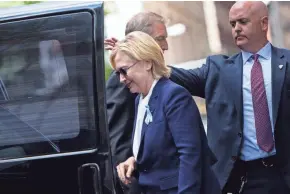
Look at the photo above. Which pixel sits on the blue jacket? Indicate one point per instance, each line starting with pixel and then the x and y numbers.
pixel 174 156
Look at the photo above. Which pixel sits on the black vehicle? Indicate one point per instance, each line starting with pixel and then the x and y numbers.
pixel 53 129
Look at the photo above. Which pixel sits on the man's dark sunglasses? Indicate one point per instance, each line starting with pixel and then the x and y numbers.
pixel 124 70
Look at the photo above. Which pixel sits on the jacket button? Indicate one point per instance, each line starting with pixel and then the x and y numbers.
pixel 234 158
pixel 240 134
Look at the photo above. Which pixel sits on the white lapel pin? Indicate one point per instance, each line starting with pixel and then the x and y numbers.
pixel 149 117
pixel 280 66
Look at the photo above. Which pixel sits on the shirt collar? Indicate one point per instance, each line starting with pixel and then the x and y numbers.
pixel 264 52
pixel 147 97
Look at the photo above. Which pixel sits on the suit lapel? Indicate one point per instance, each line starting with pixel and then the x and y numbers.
pixel 278 75
pixel 153 102
pixel 233 75
pixel 152 106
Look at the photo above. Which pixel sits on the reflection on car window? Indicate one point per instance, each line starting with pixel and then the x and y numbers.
pixel 46 85
pixel 52 65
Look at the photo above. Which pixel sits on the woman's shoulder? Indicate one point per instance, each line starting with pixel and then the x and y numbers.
pixel 169 89
pixel 169 86
pixel 172 94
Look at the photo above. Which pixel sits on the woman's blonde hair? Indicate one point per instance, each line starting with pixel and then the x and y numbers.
pixel 140 46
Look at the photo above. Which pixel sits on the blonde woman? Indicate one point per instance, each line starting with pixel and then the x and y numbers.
pixel 170 151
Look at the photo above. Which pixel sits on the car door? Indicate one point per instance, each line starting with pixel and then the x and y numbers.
pixel 53 130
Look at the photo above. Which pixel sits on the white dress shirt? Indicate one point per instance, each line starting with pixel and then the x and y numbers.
pixel 250 149
pixel 143 102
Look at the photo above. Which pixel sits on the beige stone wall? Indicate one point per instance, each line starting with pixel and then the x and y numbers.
pixel 284 9
pixel 193 44
pixel 222 9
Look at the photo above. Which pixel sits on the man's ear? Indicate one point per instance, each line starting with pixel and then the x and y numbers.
pixel 264 23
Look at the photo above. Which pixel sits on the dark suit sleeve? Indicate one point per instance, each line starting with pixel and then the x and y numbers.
pixel 184 123
pixel 120 110
pixel 193 80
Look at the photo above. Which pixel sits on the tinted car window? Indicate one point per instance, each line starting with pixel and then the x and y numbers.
pixel 46 85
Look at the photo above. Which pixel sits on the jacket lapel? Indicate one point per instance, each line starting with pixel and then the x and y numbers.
pixel 233 75
pixel 152 106
pixel 153 102
pixel 279 66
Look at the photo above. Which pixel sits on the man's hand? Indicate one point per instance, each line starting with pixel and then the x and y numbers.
pixel 125 170
pixel 110 43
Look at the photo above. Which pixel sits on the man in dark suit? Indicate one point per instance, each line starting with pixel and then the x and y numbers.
pixel 120 102
pixel 248 106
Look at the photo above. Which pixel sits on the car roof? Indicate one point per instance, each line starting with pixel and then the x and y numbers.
pixel 45 8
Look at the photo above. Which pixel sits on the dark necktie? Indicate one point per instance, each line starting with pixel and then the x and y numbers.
pixel 261 111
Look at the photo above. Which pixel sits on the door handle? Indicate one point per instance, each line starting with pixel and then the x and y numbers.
pixel 96 175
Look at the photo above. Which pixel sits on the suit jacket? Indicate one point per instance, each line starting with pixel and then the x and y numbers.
pixel 173 154
pixel 120 111
pixel 219 81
